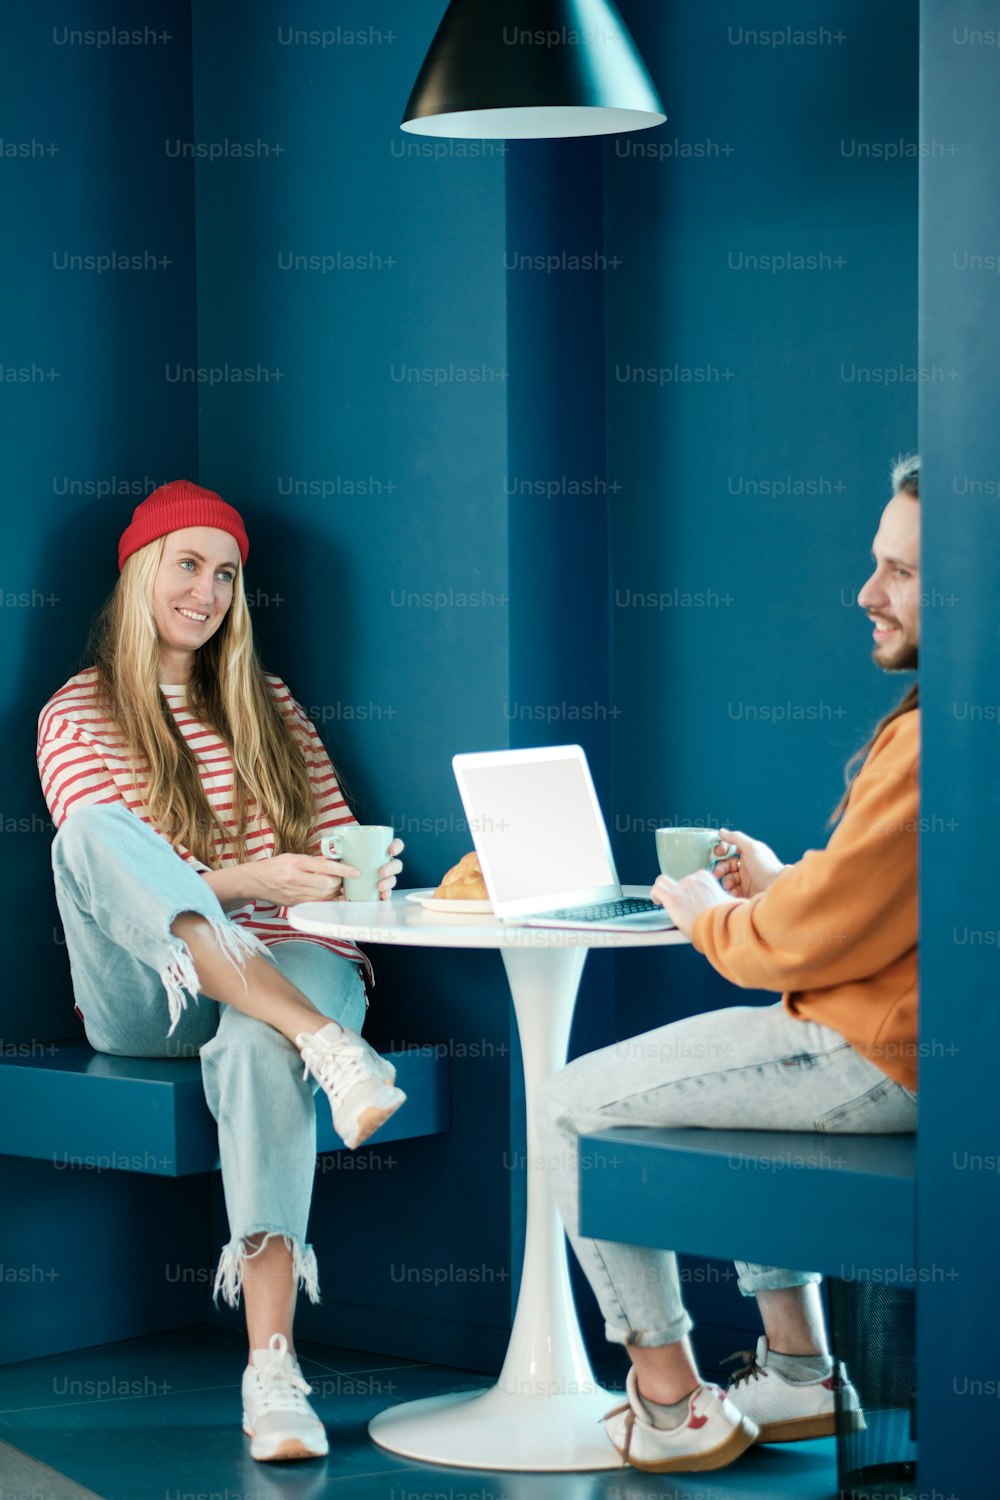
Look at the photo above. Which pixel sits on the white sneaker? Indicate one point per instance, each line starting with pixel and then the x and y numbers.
pixel 788 1411
pixel 277 1416
pixel 379 1063
pixel 357 1082
pixel 713 1435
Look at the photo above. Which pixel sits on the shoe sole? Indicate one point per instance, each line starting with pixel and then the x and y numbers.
pixel 287 1448
pixel 725 1453
pixel 799 1429
pixel 372 1119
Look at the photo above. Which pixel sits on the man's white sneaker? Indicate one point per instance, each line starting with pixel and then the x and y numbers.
pixel 788 1411
pixel 277 1416
pixel 712 1435
pixel 354 1078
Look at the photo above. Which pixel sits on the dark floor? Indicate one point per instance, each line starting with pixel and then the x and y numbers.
pixel 159 1419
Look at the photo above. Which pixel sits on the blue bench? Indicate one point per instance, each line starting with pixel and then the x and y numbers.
pixel 841 1204
pixel 66 1103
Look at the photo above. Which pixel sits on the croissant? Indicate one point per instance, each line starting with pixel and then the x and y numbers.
pixel 464 881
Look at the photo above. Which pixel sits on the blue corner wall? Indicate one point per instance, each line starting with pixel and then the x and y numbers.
pixel 97 284
pixel 345 385
pixel 89 425
pixel 358 275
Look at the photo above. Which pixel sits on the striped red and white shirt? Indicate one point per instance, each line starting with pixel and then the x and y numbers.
pixel 82 761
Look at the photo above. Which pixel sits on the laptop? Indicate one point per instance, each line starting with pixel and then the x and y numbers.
pixel 543 844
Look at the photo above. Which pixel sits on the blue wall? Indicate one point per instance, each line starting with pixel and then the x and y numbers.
pixel 83 447
pixel 753 610
pixel 387 610
pixel 412 595
pixel 374 495
pixel 87 427
pixel 749 468
pixel 958 1207
pixel 559 684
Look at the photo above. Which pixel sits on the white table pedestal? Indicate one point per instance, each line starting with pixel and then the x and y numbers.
pixel 544 1411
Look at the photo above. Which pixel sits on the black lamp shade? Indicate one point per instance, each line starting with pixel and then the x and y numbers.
pixel 532 68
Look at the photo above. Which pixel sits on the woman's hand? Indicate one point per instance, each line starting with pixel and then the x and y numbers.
pixel 752 871
pixel 388 873
pixel 686 899
pixel 288 878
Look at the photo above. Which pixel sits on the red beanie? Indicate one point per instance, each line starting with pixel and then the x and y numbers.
pixel 174 506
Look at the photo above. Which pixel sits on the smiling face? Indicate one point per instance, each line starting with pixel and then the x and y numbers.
pixel 891 596
pixel 192 593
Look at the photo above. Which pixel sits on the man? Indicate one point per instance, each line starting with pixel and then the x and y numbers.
pixel 836 936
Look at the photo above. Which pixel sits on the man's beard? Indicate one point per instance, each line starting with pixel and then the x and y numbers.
pixel 903 658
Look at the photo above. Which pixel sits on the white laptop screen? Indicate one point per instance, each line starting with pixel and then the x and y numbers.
pixel 537 828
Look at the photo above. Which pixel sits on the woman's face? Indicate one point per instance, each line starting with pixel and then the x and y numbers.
pixel 193 587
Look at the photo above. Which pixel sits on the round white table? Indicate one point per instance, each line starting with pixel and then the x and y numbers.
pixel 544 1411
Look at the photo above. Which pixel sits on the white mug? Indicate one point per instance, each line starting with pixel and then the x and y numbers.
pixel 364 845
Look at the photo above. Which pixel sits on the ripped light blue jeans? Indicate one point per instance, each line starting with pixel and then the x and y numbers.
pixel 119 886
pixel 743 1068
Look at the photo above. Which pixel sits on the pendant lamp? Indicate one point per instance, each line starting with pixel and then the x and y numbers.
pixel 523 69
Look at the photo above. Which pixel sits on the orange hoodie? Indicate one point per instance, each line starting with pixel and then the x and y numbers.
pixel 837 932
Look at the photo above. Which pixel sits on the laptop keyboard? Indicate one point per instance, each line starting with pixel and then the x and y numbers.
pixel 604 909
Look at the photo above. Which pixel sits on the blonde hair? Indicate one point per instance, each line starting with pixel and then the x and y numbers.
pixel 229 693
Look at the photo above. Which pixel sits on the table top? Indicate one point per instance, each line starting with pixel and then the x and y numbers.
pixel 410 925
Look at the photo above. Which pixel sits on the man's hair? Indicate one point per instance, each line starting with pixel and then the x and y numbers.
pixel 905 481
pixel 906 475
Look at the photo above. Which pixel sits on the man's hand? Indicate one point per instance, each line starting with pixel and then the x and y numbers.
pixel 685 899
pixel 749 872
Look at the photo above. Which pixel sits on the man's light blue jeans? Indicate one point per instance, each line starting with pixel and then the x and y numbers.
pixel 119 886
pixel 743 1068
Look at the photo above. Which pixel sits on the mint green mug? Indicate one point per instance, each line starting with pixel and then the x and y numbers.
pixel 682 851
pixel 364 845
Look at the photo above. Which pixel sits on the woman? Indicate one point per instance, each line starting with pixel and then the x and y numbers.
pixel 190 791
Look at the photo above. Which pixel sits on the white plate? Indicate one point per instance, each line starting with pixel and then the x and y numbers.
pixel 429 902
